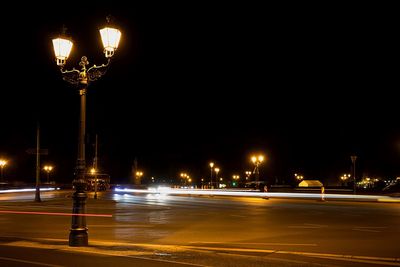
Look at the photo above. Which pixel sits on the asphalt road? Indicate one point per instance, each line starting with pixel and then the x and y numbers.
pixel 211 231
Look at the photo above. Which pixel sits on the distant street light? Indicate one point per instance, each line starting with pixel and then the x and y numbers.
pixel 353 159
pixel 81 78
pixel 93 171
pixel 257 161
pixel 248 173
pixel 184 176
pixel 344 178
pixel 216 177
pixel 48 169
pixel 235 180
pixel 211 173
pixel 2 164
pixel 139 174
pixel 298 177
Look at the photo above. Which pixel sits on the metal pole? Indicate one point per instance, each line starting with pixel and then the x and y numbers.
pixel 2 180
pixel 354 176
pixel 353 159
pixel 95 170
pixel 211 180
pixel 81 163
pixel 37 192
pixel 257 172
pixel 78 236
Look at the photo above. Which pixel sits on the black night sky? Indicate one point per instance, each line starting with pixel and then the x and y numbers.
pixel 306 85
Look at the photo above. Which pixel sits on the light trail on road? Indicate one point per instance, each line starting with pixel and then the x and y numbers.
pixel 28 190
pixel 205 192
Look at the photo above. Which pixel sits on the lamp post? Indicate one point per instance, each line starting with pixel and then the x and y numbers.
pixel 93 172
pixel 82 78
pixel 235 181
pixel 211 173
pixel 216 177
pixel 344 178
pixel 299 177
pixel 138 175
pixel 2 164
pixel 257 161
pixel 248 173
pixel 353 160
pixel 48 169
pixel 184 176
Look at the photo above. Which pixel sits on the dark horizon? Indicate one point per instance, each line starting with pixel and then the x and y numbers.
pixel 190 84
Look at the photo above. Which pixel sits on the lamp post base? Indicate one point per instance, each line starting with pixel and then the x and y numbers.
pixel 37 195
pixel 78 236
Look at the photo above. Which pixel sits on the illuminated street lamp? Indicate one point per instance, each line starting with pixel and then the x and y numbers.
pixel 2 164
pixel 353 160
pixel 298 177
pixel 211 173
pixel 344 178
pixel 235 179
pixel 257 161
pixel 184 176
pixel 48 169
pixel 93 172
pixel 216 176
pixel 82 78
pixel 139 174
pixel 248 173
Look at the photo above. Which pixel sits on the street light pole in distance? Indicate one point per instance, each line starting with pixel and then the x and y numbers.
pixel 353 160
pixel 257 161
pixel 211 173
pixel 2 164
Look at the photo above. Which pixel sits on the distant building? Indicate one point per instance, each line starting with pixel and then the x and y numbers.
pixel 310 183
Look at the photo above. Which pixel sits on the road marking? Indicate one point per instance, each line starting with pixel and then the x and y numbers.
pixel 370 227
pixel 30 262
pixel 304 227
pixel 264 244
pixel 122 226
pixel 316 225
pixel 366 230
pixel 308 226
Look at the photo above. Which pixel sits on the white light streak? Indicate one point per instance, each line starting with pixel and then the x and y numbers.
pixel 28 190
pixel 205 192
